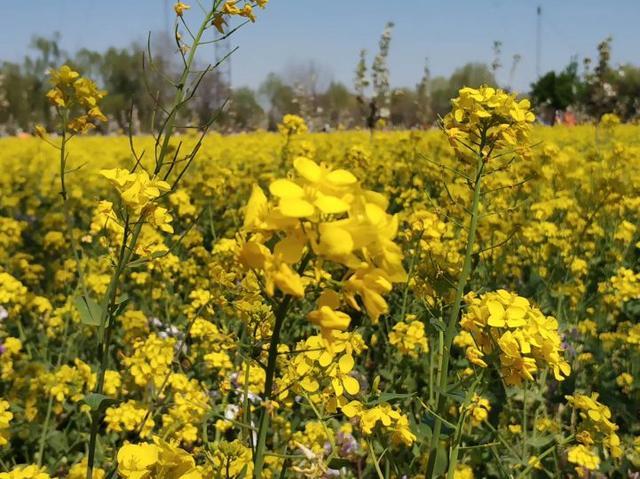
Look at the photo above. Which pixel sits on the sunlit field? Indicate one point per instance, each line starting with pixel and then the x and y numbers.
pixel 383 289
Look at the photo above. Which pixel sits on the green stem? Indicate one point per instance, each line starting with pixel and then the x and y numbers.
pixel 106 320
pixel 457 438
pixel 263 427
pixel 454 313
pixel 551 449
pixel 524 421
pixel 104 335
pixel 44 433
pixel 178 99
pixel 376 463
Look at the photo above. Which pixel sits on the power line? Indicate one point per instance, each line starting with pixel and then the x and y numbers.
pixel 538 39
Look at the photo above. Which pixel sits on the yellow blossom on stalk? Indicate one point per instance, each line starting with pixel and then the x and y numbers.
pixel 391 421
pixel 326 317
pixel 230 459
pixel 525 338
pixel 5 419
pixel 13 291
pixel 622 287
pixel 137 189
pixel 156 460
pixel 609 120
pixel 625 381
pixel 129 417
pixel 353 229
pixel 292 125
pixel 488 115
pixel 409 337
pixel 78 97
pixel 585 459
pixel 26 472
pixel 180 8
pixel 79 471
pixel 478 409
pixel 596 425
pixel 150 361
pixel 324 368
pixel 463 471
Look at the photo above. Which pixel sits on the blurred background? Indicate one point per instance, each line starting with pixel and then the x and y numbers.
pixel 339 64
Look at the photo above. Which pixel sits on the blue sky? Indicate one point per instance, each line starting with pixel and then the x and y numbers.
pixel 331 32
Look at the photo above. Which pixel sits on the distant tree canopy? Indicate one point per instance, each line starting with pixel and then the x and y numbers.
pixel 558 90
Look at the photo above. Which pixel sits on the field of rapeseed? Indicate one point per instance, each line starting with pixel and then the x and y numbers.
pixel 455 303
pixel 349 249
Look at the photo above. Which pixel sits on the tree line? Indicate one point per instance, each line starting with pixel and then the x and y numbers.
pixel 135 79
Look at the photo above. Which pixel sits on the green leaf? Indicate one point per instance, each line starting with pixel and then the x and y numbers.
pixel 441 462
pixel 90 311
pixel 438 324
pixel 339 463
pixel 99 402
pixel 540 442
pixel 386 397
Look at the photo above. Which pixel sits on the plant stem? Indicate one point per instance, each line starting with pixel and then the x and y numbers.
pixel 281 314
pixel 550 450
pixel 454 313
pixel 107 319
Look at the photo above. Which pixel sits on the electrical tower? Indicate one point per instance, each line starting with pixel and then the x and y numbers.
pixel 538 39
pixel 223 69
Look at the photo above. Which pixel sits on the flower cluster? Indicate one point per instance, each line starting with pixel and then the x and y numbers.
pixel 327 213
pixel 230 8
pixel 77 97
pixel 523 338
pixel 292 125
pixel 624 286
pixel 392 421
pixel 488 116
pixel 409 337
pixel 156 460
pixel 478 409
pixel 595 429
pixel 26 472
pixel 324 369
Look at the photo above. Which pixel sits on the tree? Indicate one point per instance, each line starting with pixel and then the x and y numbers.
pixel 376 106
pixel 471 75
pixel 338 104
pixel 557 91
pixel 280 98
pixel 245 112
pixel 424 111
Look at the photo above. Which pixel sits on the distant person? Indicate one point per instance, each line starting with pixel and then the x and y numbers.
pixel 569 118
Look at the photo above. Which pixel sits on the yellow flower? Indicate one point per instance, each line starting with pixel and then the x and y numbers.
pixel 180 8
pixel 79 471
pixel 478 409
pixel 25 472
pixel 291 124
pixel 157 460
pixel 584 458
pixel 326 317
pixel 5 419
pixel 526 339
pixel 463 471
pixel 489 116
pixel 409 337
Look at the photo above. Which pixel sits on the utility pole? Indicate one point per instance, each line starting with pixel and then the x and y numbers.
pixel 538 39
pixel 167 26
pixel 223 69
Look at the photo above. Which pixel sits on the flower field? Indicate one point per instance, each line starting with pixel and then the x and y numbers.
pixel 458 302
pixel 286 305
